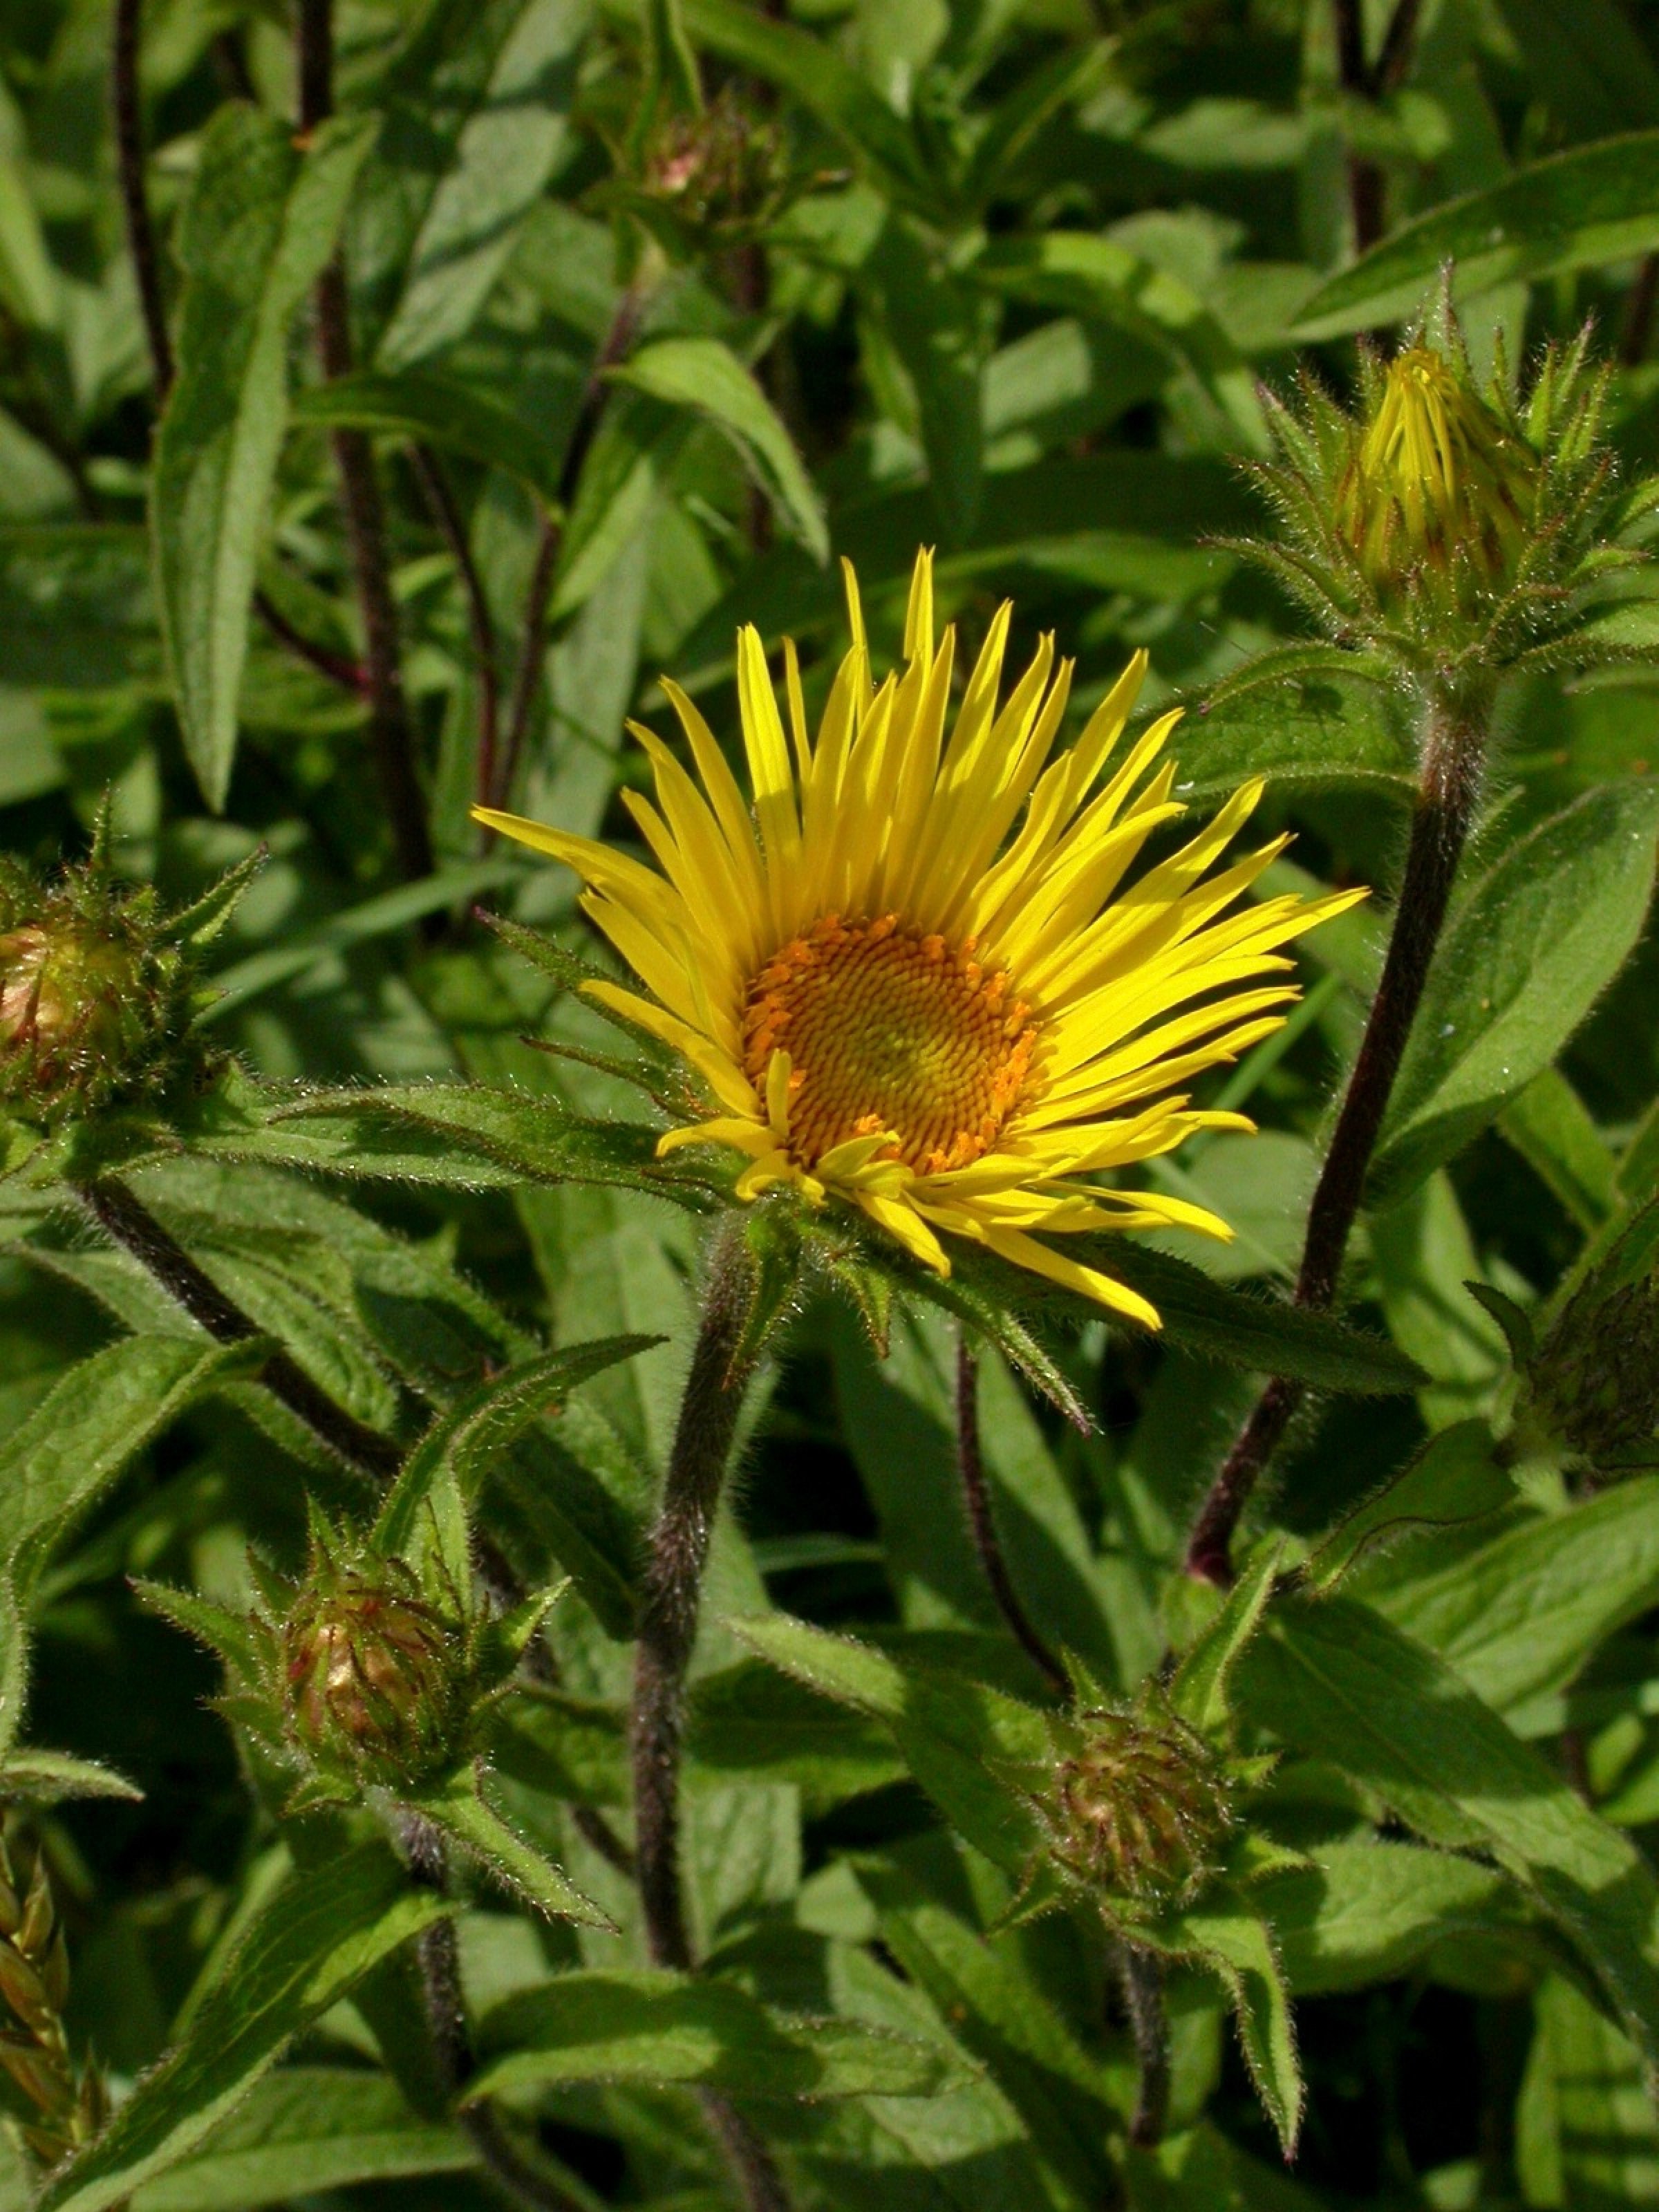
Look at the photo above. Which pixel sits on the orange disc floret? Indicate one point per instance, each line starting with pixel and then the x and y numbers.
pixel 888 1029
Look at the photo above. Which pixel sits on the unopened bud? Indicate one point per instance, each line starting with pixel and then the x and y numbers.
pixel 723 173
pixel 1594 1385
pixel 1139 1810
pixel 375 1677
pixel 1436 482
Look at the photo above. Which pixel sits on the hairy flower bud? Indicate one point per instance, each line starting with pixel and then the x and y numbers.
pixel 1139 1808
pixel 723 172
pixel 1436 479
pixel 99 989
pixel 376 1679
pixel 1593 1386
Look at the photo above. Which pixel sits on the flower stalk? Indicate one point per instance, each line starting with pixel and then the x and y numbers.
pixel 722 1362
pixel 981 1525
pixel 1140 1973
pixel 1453 752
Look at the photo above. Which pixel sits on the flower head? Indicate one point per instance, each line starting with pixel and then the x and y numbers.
pixel 1436 478
pixel 911 980
pixel 376 1677
pixel 1447 524
pixel 1137 1809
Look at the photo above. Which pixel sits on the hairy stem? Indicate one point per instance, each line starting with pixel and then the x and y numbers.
pixel 982 1524
pixel 1454 750
pixel 134 204
pixel 129 1223
pixel 671 1593
pixel 1141 1975
pixel 526 2181
pixel 391 735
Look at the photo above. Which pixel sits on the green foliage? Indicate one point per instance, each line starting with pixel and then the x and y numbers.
pixel 354 475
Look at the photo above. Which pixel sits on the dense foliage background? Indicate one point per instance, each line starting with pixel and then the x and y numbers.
pixel 638 321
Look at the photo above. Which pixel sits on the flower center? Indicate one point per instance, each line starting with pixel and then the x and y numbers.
pixel 886 1029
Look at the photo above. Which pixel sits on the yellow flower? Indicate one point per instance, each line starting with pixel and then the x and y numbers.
pixel 910 979
pixel 1435 473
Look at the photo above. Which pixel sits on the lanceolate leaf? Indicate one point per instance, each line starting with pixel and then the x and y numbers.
pixel 1231 1936
pixel 303 2130
pixel 704 374
pixel 473 1432
pixel 1523 1614
pixel 461 1812
pixel 1537 940
pixel 1200 1315
pixel 327 1925
pixel 1200 1688
pixel 1336 1682
pixel 261 223
pixel 659 2028
pixel 443 411
pixel 1579 210
pixel 103 1413
pixel 501 162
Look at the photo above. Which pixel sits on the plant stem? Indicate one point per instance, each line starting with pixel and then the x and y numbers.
pixel 129 1223
pixel 1371 82
pixel 440 496
pixel 596 394
pixel 982 1524
pixel 1141 1973
pixel 527 2183
pixel 1453 752
pixel 135 205
pixel 721 1365
pixel 391 735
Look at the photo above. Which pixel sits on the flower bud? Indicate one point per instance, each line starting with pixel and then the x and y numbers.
pixel 721 174
pixel 97 990
pixel 1436 481
pixel 1139 1810
pixel 1594 1385
pixel 375 1677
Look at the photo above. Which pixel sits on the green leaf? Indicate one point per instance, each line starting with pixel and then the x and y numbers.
pixel 467 1819
pixel 77 606
pixel 304 2129
pixel 50 1777
pixel 1268 1335
pixel 500 166
pixel 655 2029
pixel 951 1732
pixel 1523 1614
pixel 1550 1128
pixel 455 1137
pixel 1311 731
pixel 1198 1689
pixel 1535 943
pixel 1101 278
pixel 1335 1680
pixel 935 325
pixel 751 1720
pixel 1368 1912
pixel 437 411
pixel 1587 63
pixel 1453 1481
pixel 483 1424
pixel 326 1925
pixel 1576 211
pixel 1585 2130
pixel 1232 1938
pixel 569 1748
pixel 704 375
pixel 260 224
pixel 99 1415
